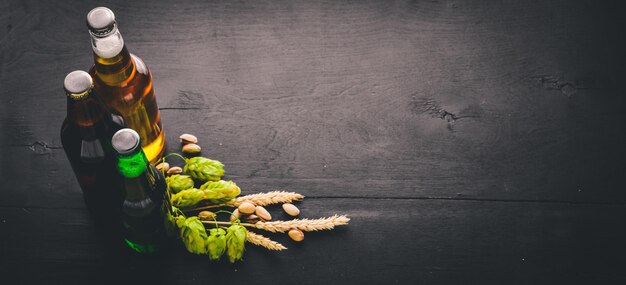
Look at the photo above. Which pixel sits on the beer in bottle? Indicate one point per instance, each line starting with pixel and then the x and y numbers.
pixel 144 190
pixel 86 137
pixel 124 82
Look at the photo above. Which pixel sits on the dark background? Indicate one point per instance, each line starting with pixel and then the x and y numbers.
pixel 471 142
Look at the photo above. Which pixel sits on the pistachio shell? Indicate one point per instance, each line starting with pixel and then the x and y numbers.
pixel 191 148
pixel 163 166
pixel 235 215
pixel 174 170
pixel 291 210
pixel 263 213
pixel 252 218
pixel 296 234
pixel 188 138
pixel 206 215
pixel 246 208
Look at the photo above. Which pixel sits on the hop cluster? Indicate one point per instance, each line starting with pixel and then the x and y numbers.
pixel 177 183
pixel 196 240
pixel 212 191
pixel 204 169
pixel 236 242
pixel 220 239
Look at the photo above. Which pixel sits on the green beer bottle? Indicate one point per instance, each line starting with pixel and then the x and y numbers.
pixel 144 190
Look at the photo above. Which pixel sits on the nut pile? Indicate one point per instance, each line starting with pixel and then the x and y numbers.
pixel 190 144
pixel 252 214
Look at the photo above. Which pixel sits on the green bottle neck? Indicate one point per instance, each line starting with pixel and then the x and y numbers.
pixel 139 177
pixel 133 165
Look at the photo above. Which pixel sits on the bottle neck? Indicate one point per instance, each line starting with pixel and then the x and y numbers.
pixel 134 164
pixel 139 177
pixel 113 63
pixel 85 111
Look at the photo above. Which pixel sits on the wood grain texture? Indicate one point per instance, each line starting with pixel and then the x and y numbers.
pixel 492 129
pixel 420 99
pixel 388 241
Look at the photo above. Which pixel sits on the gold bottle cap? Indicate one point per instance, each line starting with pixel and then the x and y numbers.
pixel 77 84
pixel 101 22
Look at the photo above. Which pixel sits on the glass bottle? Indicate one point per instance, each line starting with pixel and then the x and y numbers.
pixel 124 82
pixel 145 203
pixel 86 137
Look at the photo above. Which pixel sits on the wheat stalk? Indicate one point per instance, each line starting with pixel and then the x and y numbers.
pixel 264 241
pixel 259 199
pixel 264 199
pixel 306 225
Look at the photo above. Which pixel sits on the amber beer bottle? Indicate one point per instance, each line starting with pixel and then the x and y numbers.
pixel 86 137
pixel 124 82
pixel 144 190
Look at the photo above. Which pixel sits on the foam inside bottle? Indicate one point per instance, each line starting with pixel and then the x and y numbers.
pixel 109 47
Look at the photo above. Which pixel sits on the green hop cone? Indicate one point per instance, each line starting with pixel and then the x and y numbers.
pixel 216 243
pixel 204 169
pixel 220 191
pixel 177 183
pixel 193 234
pixel 212 191
pixel 236 242
pixel 187 198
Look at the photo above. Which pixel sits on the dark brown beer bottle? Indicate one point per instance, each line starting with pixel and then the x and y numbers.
pixel 86 137
pixel 124 82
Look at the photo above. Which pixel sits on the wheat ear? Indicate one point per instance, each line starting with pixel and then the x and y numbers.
pixel 264 241
pixel 264 199
pixel 260 199
pixel 306 225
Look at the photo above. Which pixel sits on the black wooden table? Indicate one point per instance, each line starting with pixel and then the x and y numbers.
pixel 471 142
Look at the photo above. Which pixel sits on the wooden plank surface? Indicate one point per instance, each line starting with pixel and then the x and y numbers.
pixel 417 99
pixel 389 241
pixel 481 138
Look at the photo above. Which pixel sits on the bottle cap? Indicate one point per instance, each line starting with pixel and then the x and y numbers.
pixel 125 141
pixel 78 84
pixel 101 22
